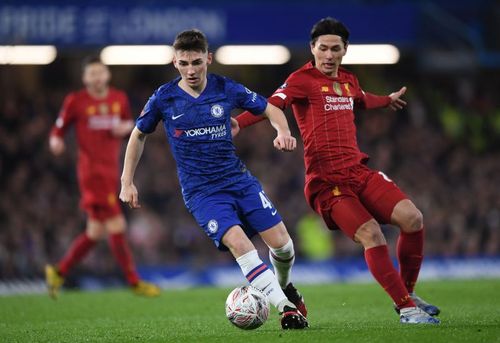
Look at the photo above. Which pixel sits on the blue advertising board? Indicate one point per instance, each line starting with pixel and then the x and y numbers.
pixel 76 24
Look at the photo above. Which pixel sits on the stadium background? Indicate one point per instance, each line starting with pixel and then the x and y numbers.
pixel 443 150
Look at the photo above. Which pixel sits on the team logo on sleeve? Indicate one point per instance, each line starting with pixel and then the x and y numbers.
pixel 283 86
pixel 213 226
pixel 217 111
pixel 254 95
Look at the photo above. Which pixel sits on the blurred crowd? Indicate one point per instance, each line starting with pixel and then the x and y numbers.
pixel 443 151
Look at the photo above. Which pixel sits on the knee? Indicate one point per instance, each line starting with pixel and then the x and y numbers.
pixel 95 232
pixel 407 216
pixel 237 242
pixel 277 237
pixel 115 225
pixel 413 222
pixel 370 235
pixel 239 247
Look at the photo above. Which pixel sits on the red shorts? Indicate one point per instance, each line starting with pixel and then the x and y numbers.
pixel 102 208
pixel 352 197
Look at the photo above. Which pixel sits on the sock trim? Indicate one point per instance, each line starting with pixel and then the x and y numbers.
pixel 254 273
pixel 279 259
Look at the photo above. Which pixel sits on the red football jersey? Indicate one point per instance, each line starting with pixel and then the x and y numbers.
pixel 98 148
pixel 324 110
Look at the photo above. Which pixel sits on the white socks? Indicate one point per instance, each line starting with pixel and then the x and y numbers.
pixel 262 278
pixel 282 260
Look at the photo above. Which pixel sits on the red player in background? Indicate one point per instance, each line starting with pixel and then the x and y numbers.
pixel 101 116
pixel 339 186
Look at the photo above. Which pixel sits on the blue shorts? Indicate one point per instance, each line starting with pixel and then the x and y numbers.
pixel 246 205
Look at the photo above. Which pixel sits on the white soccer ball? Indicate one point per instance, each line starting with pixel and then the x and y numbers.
pixel 247 307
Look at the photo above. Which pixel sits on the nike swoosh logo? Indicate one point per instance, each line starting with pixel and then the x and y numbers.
pixel 274 212
pixel 175 117
pixel 264 288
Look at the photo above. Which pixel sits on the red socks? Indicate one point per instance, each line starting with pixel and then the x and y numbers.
pixel 123 256
pixel 382 269
pixel 78 249
pixel 119 247
pixel 410 255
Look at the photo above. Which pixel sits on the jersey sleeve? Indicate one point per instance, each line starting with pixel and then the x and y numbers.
pixel 150 115
pixel 375 101
pixel 246 99
pixel 367 100
pixel 283 97
pixel 65 118
pixel 292 90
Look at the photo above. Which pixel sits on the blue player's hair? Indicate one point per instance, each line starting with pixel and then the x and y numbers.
pixel 329 26
pixel 191 40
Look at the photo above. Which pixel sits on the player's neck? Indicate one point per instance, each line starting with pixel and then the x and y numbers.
pixel 193 91
pixel 333 74
pixel 98 93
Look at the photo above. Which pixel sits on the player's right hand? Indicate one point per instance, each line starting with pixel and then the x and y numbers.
pixel 56 145
pixel 235 127
pixel 285 142
pixel 130 196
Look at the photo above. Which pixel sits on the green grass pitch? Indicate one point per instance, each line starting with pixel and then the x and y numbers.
pixel 337 313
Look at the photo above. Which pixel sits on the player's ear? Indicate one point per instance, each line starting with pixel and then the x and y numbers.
pixel 209 58
pixel 107 74
pixel 346 44
pixel 174 62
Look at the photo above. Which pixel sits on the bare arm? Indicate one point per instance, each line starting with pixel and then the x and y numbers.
pixel 135 147
pixel 65 119
pixel 284 141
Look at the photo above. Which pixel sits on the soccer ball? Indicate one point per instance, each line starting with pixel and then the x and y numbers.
pixel 247 307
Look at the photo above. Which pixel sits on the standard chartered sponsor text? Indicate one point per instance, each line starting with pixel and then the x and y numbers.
pixel 338 103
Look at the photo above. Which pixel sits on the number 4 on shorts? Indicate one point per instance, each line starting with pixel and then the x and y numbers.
pixel 266 203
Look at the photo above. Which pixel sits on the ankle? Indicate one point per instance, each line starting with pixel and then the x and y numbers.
pixel 283 303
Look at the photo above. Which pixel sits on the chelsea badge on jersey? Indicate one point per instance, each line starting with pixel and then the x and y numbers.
pixel 217 111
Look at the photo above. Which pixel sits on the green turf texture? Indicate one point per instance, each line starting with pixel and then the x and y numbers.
pixel 337 313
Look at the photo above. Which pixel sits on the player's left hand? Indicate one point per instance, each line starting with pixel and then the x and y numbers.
pixel 235 127
pixel 285 142
pixel 396 102
pixel 129 195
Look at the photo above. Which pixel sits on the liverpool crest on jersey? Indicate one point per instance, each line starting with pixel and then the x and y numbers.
pixel 337 89
pixel 103 109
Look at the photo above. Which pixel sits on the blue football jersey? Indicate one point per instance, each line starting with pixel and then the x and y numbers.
pixel 199 132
